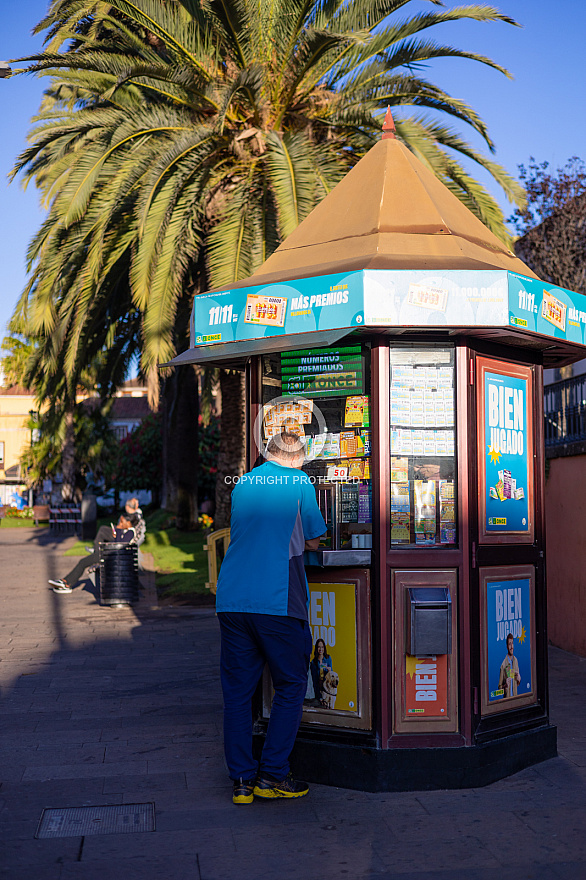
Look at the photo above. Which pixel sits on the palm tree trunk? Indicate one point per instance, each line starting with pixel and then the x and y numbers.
pixel 180 446
pixel 68 458
pixel 231 456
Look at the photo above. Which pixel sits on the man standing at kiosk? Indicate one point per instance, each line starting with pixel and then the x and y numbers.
pixel 262 608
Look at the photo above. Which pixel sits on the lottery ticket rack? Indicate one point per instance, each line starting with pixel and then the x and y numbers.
pixel 405 345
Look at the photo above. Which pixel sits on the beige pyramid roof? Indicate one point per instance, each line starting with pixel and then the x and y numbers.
pixel 389 212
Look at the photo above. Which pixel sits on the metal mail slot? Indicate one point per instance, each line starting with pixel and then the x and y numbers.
pixel 429 621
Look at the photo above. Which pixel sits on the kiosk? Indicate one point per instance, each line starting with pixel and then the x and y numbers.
pixel 406 344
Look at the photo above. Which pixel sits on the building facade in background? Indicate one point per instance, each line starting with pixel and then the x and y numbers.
pixel 18 405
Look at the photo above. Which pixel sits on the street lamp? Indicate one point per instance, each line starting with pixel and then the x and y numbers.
pixel 5 69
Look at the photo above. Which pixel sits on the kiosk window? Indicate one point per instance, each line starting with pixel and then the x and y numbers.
pixel 323 395
pixel 423 464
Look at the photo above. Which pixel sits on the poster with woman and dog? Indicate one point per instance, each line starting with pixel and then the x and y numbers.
pixel 332 684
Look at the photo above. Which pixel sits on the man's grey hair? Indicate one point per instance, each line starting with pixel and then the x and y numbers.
pixel 286 446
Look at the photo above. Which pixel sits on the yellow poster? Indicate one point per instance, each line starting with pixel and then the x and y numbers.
pixel 332 679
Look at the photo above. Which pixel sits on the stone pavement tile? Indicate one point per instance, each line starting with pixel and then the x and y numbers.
pixel 529 779
pixel 482 800
pixel 16 854
pixel 38 872
pixel 563 823
pixel 82 771
pixel 198 733
pixel 10 772
pixel 311 859
pixel 461 852
pixel 68 726
pixel 127 728
pixel 175 798
pixel 18 828
pixel 531 872
pixel 227 816
pixel 188 752
pixel 139 868
pixel 555 798
pixel 570 870
pixel 141 784
pixel 556 845
pixel 173 844
pixel 66 754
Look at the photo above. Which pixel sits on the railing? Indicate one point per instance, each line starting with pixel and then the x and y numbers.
pixel 565 412
pixel 65 519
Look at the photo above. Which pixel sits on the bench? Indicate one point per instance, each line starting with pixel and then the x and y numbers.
pixel 41 513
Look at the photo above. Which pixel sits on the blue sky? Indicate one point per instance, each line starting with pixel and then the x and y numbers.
pixel 539 113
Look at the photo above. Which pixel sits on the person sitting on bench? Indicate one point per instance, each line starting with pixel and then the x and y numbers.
pixel 123 533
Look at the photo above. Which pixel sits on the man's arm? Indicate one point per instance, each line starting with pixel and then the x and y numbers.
pixel 313 543
pixel 311 518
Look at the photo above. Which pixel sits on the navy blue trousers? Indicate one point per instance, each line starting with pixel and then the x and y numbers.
pixel 248 642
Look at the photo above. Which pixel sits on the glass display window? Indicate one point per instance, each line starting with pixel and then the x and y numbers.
pixel 323 396
pixel 422 441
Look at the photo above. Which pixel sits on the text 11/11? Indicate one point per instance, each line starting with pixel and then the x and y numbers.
pixel 220 315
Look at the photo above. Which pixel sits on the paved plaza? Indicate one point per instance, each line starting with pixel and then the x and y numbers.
pixel 104 706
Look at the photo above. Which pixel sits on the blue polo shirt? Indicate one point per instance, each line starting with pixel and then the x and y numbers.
pixel 274 511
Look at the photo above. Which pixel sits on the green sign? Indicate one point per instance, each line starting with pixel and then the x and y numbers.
pixel 322 372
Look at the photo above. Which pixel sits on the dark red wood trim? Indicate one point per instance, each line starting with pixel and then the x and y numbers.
pixel 464 397
pixel 426 741
pixel 253 397
pixel 381 476
pixel 541 639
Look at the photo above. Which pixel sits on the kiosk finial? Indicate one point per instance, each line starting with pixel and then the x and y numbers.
pixel 389 130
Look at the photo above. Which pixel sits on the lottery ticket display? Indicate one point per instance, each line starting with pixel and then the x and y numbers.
pixel 422 446
pixel 322 396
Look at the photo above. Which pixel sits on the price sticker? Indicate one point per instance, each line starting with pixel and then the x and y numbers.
pixel 337 473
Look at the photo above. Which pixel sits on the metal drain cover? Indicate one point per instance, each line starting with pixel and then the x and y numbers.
pixel 81 821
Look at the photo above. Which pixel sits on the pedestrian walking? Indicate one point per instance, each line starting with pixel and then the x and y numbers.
pixel 262 601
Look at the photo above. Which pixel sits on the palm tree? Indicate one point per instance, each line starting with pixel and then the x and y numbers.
pixel 179 141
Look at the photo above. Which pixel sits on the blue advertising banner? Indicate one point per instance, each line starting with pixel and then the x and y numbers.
pixel 325 303
pixel 508 639
pixel 506 463
pixel 543 308
pixel 381 297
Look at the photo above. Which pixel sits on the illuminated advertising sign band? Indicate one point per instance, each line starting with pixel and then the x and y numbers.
pixel 322 372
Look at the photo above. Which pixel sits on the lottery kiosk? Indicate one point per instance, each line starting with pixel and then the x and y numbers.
pixel 406 344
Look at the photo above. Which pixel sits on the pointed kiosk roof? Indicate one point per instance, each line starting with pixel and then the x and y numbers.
pixel 388 212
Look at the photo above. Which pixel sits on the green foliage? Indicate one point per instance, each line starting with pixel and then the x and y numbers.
pixel 179 142
pixel 94 444
pixel 14 364
pixel 180 560
pixel 553 224
pixel 549 192
pixel 137 460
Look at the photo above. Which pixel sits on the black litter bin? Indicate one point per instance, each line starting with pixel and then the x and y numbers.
pixel 118 574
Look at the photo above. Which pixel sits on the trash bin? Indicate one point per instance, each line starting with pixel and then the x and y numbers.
pixel 429 621
pixel 89 517
pixel 118 574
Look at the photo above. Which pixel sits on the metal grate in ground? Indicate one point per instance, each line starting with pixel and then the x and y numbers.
pixel 81 821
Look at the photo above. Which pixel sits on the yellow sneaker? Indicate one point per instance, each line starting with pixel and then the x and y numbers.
pixel 243 792
pixel 286 788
